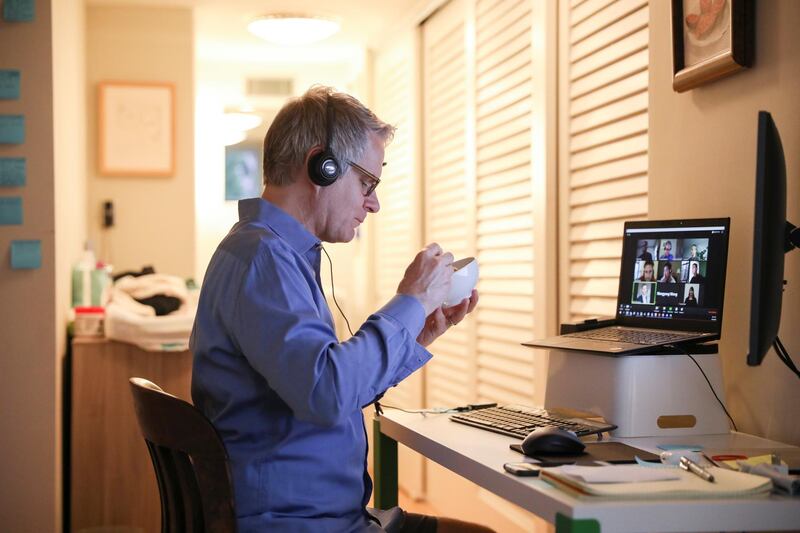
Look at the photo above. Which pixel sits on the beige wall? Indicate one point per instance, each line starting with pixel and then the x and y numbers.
pixel 29 417
pixel 702 163
pixel 154 216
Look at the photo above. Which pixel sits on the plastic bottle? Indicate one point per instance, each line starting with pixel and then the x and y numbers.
pixel 82 277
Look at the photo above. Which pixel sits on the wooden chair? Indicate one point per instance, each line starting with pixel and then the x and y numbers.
pixel 190 462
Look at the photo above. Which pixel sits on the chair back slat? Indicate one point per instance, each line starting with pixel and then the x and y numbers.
pixel 190 462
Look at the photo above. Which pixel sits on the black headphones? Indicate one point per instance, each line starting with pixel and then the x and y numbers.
pixel 323 168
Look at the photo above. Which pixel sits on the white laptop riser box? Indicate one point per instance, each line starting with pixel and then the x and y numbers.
pixel 644 395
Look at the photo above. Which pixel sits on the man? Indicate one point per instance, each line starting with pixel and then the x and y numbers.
pixel 692 252
pixel 667 252
pixel 644 255
pixel 269 372
pixel 696 277
pixel 667 276
pixel 648 273
pixel 644 294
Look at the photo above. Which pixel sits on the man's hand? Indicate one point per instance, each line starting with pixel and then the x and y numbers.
pixel 427 278
pixel 443 318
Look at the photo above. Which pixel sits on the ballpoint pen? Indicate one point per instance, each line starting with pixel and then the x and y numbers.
pixel 696 469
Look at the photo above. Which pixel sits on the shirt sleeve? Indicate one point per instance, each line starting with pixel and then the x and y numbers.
pixel 281 332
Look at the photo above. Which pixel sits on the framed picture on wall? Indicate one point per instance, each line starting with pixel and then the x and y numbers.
pixel 136 129
pixel 710 39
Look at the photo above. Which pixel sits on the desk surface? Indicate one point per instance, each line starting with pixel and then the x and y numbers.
pixel 479 455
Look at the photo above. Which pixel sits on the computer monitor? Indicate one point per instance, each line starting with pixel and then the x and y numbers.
pixel 773 236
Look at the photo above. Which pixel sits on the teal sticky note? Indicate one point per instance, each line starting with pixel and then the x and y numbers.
pixel 10 210
pixel 12 129
pixel 9 84
pixel 26 254
pixel 18 10
pixel 12 171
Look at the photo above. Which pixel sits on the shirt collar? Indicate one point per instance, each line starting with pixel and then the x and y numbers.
pixel 282 223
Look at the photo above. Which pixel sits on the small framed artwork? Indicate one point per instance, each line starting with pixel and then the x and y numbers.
pixel 710 39
pixel 136 129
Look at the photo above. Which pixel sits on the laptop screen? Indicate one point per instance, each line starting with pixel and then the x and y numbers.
pixel 673 274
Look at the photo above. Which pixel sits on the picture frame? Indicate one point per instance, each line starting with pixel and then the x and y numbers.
pixel 711 39
pixel 136 129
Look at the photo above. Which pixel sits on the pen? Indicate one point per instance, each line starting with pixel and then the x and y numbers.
pixel 696 469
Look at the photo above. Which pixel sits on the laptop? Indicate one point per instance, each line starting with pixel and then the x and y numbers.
pixel 671 289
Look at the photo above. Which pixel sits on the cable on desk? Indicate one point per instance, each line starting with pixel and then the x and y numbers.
pixel 441 410
pixel 686 352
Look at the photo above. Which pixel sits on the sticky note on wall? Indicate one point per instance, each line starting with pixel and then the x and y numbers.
pixel 12 129
pixel 12 171
pixel 9 84
pixel 26 254
pixel 10 210
pixel 19 10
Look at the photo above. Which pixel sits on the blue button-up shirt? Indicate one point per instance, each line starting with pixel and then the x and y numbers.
pixel 283 392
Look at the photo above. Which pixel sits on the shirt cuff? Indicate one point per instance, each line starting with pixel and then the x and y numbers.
pixel 408 311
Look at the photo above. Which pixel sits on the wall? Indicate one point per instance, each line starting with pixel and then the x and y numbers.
pixel 29 418
pixel 154 216
pixel 702 164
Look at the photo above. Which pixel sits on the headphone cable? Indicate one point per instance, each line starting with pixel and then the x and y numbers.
pixel 333 292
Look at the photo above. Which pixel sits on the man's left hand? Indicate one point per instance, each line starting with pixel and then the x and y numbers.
pixel 446 317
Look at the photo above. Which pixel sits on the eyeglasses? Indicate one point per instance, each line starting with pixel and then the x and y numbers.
pixel 366 188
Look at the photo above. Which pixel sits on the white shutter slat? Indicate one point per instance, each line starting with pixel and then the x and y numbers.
pixel 634 186
pixel 608 56
pixel 607 114
pixel 583 9
pixel 610 34
pixel 637 124
pixel 603 18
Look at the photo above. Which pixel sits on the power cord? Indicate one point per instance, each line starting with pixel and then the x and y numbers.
pixel 783 355
pixel 686 352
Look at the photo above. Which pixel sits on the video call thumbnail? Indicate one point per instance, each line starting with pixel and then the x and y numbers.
pixel 670 271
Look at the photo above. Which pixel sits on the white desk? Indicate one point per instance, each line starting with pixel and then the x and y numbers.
pixel 479 455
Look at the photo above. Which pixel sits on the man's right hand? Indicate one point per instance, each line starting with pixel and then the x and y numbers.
pixel 428 277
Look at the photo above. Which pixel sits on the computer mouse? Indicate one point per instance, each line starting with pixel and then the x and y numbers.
pixel 552 441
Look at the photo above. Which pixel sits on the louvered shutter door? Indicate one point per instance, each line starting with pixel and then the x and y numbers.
pixel 450 375
pixel 397 227
pixel 603 170
pixel 504 217
pixel 397 233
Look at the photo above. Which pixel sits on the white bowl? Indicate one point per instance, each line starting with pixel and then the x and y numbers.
pixel 464 280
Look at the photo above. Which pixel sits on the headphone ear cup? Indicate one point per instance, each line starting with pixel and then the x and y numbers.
pixel 323 169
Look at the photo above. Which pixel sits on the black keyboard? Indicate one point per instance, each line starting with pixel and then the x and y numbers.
pixel 518 421
pixel 647 337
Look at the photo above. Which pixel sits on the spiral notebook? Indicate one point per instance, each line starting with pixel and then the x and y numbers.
pixel 674 483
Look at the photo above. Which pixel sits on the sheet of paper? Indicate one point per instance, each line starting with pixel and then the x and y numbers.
pixel 9 84
pixel 26 254
pixel 19 10
pixel 12 171
pixel 12 129
pixel 618 473
pixel 10 210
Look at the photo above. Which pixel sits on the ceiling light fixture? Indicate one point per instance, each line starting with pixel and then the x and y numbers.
pixel 293 29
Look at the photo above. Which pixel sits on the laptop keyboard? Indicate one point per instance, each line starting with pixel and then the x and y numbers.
pixel 519 421
pixel 633 336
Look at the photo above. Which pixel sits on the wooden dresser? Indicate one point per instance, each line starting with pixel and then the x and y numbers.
pixel 112 484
